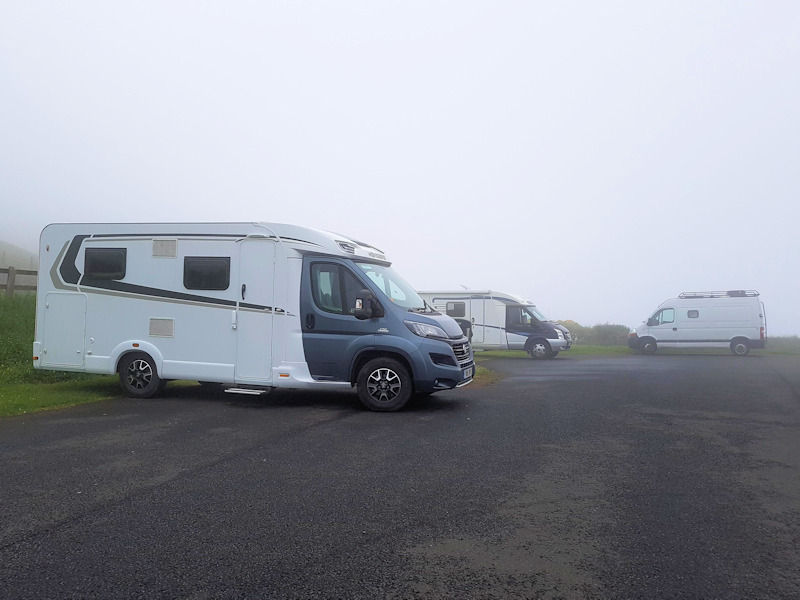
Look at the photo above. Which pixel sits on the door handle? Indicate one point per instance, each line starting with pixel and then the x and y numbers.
pixel 310 321
pixel 244 287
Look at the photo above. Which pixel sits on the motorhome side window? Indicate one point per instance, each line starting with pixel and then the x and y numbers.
pixel 456 309
pixel 334 288
pixel 105 263
pixel 665 316
pixel 693 314
pixel 206 272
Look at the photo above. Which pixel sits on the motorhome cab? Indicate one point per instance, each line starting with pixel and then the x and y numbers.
pixel 252 306
pixel 500 321
pixel 733 319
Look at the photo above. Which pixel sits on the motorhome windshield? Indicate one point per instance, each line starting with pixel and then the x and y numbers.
pixel 535 313
pixel 394 286
pixel 526 314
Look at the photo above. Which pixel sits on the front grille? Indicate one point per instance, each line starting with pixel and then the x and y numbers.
pixel 462 353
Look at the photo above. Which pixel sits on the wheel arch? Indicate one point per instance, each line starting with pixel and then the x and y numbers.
pixel 368 354
pixel 135 346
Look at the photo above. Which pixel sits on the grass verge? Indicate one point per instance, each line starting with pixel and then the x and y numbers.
pixel 22 398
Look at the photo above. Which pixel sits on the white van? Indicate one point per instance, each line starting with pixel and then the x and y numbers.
pixel 734 319
pixel 500 321
pixel 251 306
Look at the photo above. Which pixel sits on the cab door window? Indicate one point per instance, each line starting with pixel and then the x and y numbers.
pixel 665 316
pixel 334 288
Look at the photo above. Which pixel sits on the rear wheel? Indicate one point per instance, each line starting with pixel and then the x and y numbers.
pixel 384 384
pixel 648 346
pixel 740 347
pixel 138 376
pixel 539 349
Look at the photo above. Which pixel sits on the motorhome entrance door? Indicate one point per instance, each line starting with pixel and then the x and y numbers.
pixel 255 291
pixel 478 314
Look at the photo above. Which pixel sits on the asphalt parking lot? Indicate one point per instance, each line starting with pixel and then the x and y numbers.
pixel 671 476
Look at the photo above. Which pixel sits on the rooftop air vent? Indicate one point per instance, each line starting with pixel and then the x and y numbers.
pixel 347 247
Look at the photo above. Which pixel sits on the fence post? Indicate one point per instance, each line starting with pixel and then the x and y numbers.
pixel 12 274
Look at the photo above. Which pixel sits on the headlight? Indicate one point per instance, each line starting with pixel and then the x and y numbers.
pixel 560 334
pixel 425 330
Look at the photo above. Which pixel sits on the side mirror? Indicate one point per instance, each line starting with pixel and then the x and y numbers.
pixel 652 322
pixel 367 306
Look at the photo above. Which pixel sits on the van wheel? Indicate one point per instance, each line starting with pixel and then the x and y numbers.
pixel 740 347
pixel 138 376
pixel 384 385
pixel 539 349
pixel 553 354
pixel 649 346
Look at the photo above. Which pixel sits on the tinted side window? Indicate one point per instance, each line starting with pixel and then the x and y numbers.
pixel 105 263
pixel 206 272
pixel 693 314
pixel 456 309
pixel 334 288
pixel 326 288
pixel 513 316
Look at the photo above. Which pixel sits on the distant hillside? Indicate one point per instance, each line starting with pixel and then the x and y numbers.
pixel 12 256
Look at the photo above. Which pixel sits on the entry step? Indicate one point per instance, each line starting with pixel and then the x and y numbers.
pixel 248 391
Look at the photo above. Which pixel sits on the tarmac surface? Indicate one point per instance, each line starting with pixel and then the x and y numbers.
pixel 666 476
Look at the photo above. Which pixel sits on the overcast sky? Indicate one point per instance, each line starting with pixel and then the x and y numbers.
pixel 595 157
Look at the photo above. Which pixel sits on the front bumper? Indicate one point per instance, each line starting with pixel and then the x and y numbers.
pixel 560 345
pixel 441 370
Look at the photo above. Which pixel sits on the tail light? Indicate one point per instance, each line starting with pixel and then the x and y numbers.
pixel 762 333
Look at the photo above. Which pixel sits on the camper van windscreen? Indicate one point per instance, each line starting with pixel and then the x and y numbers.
pixel 395 287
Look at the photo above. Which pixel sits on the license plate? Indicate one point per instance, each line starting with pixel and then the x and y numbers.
pixel 468 372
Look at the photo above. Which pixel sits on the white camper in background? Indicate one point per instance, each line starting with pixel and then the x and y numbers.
pixel 250 306
pixel 733 319
pixel 500 321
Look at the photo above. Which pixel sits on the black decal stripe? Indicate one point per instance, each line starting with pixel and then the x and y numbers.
pixel 119 286
pixel 69 271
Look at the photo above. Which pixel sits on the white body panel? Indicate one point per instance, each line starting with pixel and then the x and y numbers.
pixel 212 335
pixel 706 322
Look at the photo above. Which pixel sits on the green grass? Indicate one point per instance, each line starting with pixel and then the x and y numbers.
pixel 17 318
pixel 574 351
pixel 21 398
pixel 24 389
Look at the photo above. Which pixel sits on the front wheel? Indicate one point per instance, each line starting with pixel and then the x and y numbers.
pixel 740 347
pixel 384 384
pixel 539 349
pixel 649 346
pixel 138 376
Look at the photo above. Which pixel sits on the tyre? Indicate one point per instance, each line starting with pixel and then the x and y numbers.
pixel 553 354
pixel 539 349
pixel 740 347
pixel 138 376
pixel 384 384
pixel 648 346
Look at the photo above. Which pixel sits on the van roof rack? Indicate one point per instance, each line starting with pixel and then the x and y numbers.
pixel 728 294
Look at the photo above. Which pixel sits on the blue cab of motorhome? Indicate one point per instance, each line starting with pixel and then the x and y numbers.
pixel 354 312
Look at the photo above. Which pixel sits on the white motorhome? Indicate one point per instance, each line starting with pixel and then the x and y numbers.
pixel 251 306
pixel 734 319
pixel 500 321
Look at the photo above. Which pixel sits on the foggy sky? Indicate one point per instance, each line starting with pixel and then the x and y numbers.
pixel 595 157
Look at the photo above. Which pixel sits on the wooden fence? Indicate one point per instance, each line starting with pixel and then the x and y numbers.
pixel 11 285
